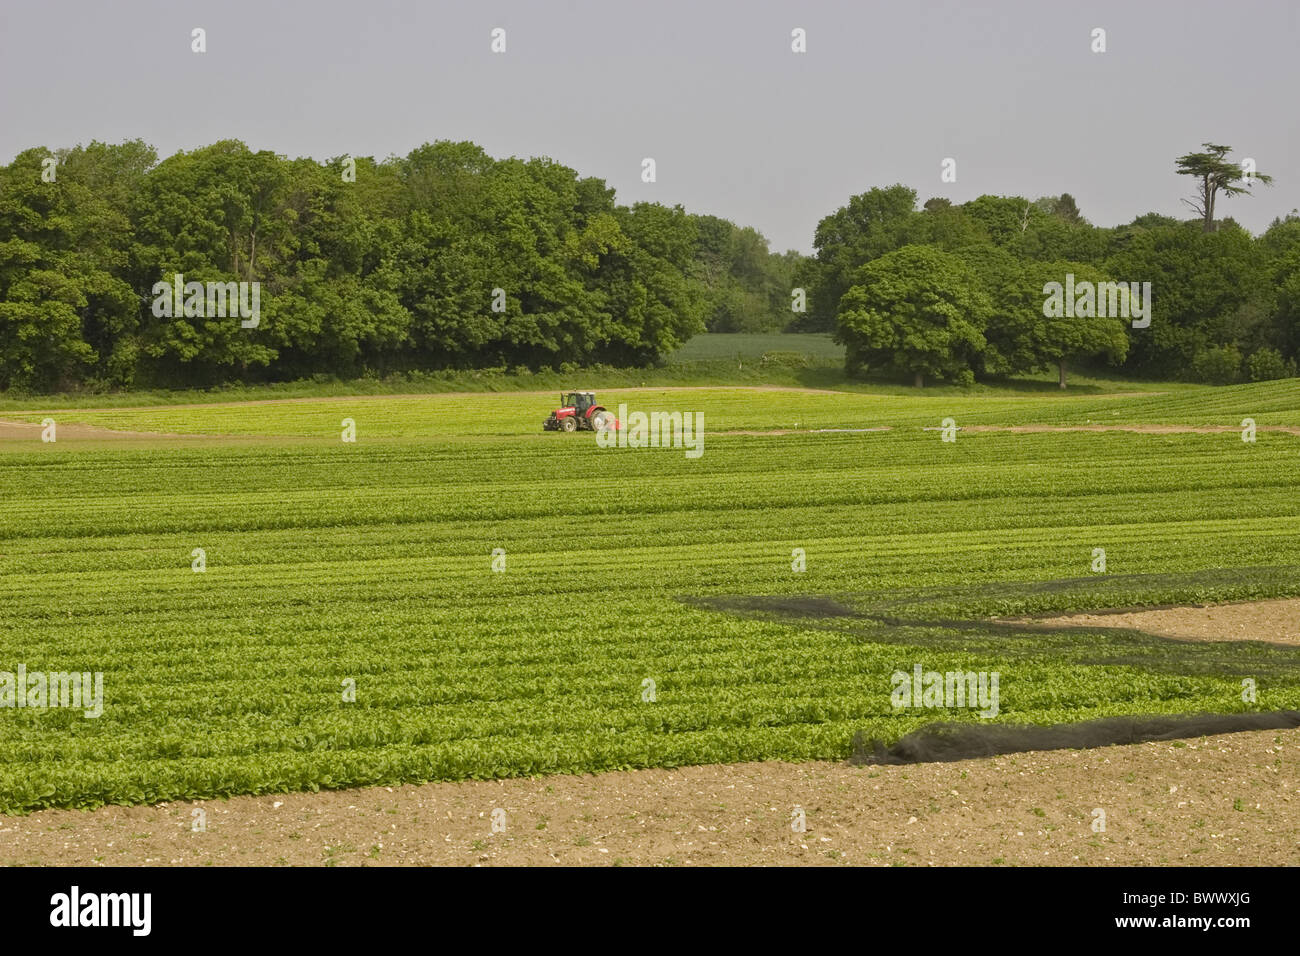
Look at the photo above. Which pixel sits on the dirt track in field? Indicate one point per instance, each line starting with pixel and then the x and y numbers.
pixel 29 431
pixel 1227 800
pixel 1277 621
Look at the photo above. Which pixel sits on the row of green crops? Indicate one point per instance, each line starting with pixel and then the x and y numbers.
pixel 372 562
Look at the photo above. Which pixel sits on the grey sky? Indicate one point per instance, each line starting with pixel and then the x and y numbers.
pixel 738 124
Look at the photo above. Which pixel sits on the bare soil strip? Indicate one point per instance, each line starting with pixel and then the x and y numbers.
pixel 1219 801
pixel 1277 621
pixel 32 430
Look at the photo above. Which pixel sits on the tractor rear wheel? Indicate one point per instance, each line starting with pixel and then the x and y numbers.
pixel 568 424
pixel 601 420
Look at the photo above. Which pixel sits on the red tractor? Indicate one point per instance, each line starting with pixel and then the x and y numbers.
pixel 578 410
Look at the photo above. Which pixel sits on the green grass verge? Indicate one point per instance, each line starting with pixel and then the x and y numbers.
pixel 712 346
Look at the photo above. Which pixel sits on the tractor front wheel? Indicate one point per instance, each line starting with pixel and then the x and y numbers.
pixel 568 424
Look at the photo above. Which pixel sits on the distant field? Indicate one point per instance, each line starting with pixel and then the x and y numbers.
pixel 518 416
pixel 371 562
pixel 716 345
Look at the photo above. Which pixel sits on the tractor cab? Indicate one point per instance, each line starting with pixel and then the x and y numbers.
pixel 578 401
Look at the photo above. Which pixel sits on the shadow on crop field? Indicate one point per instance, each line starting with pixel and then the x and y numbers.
pixel 937 743
pixel 959 619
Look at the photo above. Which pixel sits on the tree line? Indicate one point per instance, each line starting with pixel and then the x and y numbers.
pixel 444 258
pixel 955 292
pixel 449 259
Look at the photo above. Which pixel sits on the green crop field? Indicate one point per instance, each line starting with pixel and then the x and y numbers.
pixel 628 574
